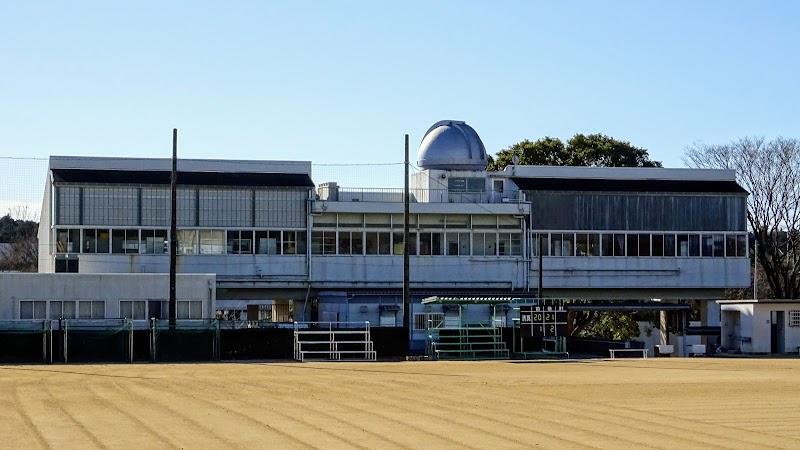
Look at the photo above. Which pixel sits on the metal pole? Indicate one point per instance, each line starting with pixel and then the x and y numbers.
pixel 755 268
pixel 541 277
pixel 173 226
pixel 406 260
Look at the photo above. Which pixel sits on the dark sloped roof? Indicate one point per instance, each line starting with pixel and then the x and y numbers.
pixel 562 184
pixel 184 178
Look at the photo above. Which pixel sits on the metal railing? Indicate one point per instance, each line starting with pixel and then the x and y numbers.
pixel 395 195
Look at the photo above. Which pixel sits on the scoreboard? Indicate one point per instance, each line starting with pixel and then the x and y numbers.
pixel 540 321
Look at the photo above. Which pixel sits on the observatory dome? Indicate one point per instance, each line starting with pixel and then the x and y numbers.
pixel 452 145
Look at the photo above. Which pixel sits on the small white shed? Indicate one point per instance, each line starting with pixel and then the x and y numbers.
pixel 761 326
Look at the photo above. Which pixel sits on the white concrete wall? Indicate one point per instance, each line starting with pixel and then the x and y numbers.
pixel 46 244
pixel 757 324
pixel 748 328
pixel 264 266
pixel 426 271
pixel 112 288
pixel 631 272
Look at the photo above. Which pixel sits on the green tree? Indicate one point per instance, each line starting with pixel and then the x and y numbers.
pixel 596 150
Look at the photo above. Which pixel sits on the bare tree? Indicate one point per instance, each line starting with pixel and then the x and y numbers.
pixel 19 230
pixel 770 171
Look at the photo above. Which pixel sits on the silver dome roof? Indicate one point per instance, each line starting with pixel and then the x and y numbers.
pixel 452 145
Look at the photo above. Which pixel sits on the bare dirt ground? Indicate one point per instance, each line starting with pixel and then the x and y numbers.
pixel 654 403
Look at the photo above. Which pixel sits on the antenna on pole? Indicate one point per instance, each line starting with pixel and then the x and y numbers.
pixel 173 227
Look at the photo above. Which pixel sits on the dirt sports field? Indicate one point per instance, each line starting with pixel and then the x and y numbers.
pixel 655 403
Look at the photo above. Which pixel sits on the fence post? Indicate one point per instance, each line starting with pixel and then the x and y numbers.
pixel 153 339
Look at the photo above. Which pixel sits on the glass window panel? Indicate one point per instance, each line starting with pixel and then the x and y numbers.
pixel 55 310
pixel 126 310
pixel 719 245
pixel 187 242
pixel 658 245
pixel 669 245
pixel 632 244
pixel 89 241
pixel 39 310
pixel 741 245
pixel 594 244
pixel 291 242
pixel 694 245
pixel 195 309
pixel 345 244
pixel 98 309
pixel 481 221
pixel 730 245
pixel 183 310
pixel 619 244
pixel 68 310
pixel 212 242
pixel 371 243
pixel 302 242
pixel 378 220
pixel 26 310
pixel 707 247
pixel 568 244
pixel 683 245
pixel 644 245
pixel 425 243
pixel 397 246
pixel 556 246
pixel 516 244
pixel 581 244
pixel 457 221
pixel 384 243
pixel 607 244
pixel 84 310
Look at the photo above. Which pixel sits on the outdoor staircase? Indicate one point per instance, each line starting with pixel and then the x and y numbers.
pixel 467 343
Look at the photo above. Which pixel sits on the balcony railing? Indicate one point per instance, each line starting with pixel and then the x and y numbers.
pixel 395 195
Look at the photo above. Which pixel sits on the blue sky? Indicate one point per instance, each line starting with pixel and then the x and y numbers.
pixel 343 81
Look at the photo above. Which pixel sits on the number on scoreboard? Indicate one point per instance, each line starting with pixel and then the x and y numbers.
pixel 538 321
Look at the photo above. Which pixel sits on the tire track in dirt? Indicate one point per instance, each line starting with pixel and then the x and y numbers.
pixel 113 405
pixel 194 425
pixel 503 436
pixel 610 440
pixel 59 404
pixel 231 409
pixel 26 419
pixel 687 425
pixel 691 433
pixel 567 415
pixel 393 419
pixel 305 405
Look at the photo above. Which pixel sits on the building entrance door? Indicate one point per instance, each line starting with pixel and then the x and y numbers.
pixel 777 338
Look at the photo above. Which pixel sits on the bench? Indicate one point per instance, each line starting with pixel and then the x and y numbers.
pixel 615 350
pixel 696 349
pixel 665 349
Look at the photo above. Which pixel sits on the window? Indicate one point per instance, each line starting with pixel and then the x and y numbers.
pixel 32 310
pixel 730 245
pixel 632 242
pixel 658 244
pixel 669 245
pixel 581 244
pixel 644 245
pixel 718 245
pixel 268 242
pixel 458 244
pixel 62 309
pixel 741 245
pixel 694 245
pixel 562 244
pixel 509 244
pixel 543 240
pixel 212 242
pixel 96 241
pixel 323 243
pixel 794 318
pixel 187 242
pixel 240 242
pixel 294 242
pixel 350 243
pixel 124 241
pixel 68 240
pixel 378 243
pixel 484 244
pixel 466 185
pixel 91 309
pixel 594 245
pixel 424 321
pixel 66 265
pixel 68 201
pixel 133 309
pixel 189 309
pixel 155 241
pixel 707 247
pixel 430 244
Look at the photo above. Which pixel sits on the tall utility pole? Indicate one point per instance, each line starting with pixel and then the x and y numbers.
pixel 406 260
pixel 173 227
pixel 755 269
pixel 541 276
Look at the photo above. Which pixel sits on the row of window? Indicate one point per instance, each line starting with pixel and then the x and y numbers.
pixel 423 244
pixel 203 207
pixel 716 245
pixel 96 309
pixel 190 242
